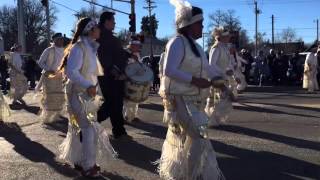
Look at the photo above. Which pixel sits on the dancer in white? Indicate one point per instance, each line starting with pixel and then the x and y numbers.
pixel 53 94
pixel 18 81
pixel 310 72
pixel 219 103
pixel 85 137
pixel 241 83
pixel 187 154
pixel 131 108
pixel 4 108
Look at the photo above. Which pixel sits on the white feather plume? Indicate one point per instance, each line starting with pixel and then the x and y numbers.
pixel 180 3
pixel 182 11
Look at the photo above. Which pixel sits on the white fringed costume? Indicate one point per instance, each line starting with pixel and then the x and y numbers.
pixel 18 81
pixel 238 73
pixel 53 94
pixel 82 70
pixel 219 103
pixel 4 108
pixel 310 73
pixel 186 153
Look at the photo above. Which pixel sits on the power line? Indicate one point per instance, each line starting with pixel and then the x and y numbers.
pixel 54 2
pixel 96 4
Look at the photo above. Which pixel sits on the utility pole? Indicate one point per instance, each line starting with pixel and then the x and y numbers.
pixel 48 24
pixel 257 12
pixel 93 9
pixel 150 7
pixel 133 12
pixel 272 17
pixel 21 27
pixel 111 4
pixel 317 30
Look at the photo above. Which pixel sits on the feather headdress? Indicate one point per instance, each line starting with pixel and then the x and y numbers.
pixel 183 13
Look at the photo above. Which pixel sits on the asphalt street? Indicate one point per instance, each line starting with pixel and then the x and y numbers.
pixel 272 134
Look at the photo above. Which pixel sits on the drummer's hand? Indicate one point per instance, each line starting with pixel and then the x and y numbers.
pixel 92 91
pixel 200 82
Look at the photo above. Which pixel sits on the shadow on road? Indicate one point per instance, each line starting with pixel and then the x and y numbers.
pixel 31 150
pixel 299 143
pixel 247 164
pixel 152 106
pixel 152 130
pixel 289 106
pixel 30 109
pixel 137 154
pixel 61 125
pixel 246 107
pixel 106 176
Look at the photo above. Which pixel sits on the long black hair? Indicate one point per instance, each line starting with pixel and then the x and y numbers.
pixel 79 32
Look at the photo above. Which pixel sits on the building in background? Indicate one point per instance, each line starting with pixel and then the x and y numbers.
pixel 158 46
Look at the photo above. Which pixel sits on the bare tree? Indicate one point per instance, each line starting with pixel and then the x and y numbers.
pixel 230 21
pixel 288 35
pixel 216 19
pixel 34 23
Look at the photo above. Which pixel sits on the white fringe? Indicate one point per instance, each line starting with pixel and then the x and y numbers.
pixel 71 147
pixel 173 164
pixel 104 147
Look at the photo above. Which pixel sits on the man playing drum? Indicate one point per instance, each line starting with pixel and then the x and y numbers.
pixel 53 95
pixel 130 108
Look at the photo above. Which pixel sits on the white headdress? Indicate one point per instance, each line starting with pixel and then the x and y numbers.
pixel 92 23
pixel 220 31
pixel 184 15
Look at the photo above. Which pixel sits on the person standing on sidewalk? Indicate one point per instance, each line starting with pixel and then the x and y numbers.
pixel 310 72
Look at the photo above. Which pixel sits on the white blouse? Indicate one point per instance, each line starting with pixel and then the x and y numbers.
pixel 58 58
pixel 214 56
pixel 175 54
pixel 75 62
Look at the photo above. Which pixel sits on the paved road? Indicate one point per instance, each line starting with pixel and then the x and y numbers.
pixel 273 134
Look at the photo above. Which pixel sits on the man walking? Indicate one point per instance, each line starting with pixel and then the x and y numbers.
pixel 113 59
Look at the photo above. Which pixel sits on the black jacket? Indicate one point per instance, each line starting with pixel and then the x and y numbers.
pixel 111 54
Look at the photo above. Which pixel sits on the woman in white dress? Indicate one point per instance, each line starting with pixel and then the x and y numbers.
pixel 219 103
pixel 187 154
pixel 18 81
pixel 85 136
pixel 310 72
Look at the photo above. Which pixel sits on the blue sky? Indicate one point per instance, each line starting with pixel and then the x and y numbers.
pixel 298 14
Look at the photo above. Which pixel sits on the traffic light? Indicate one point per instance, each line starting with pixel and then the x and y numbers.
pixel 44 3
pixel 132 23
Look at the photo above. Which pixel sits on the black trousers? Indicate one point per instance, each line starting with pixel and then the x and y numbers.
pixel 113 92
